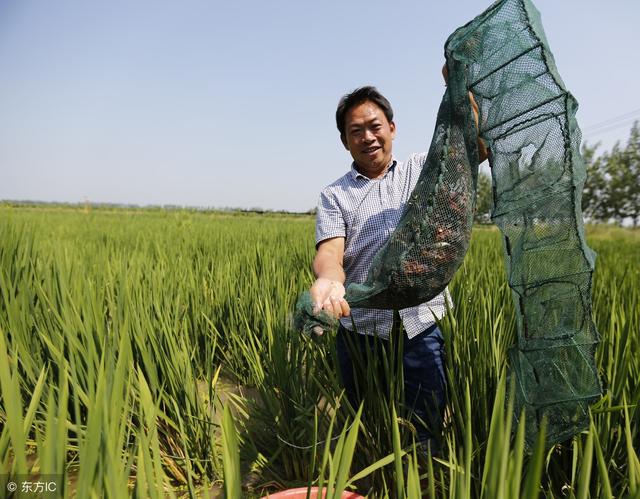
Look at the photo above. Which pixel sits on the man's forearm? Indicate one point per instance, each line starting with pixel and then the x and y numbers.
pixel 326 267
pixel 328 291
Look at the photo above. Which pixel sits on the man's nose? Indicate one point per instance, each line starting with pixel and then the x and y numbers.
pixel 368 136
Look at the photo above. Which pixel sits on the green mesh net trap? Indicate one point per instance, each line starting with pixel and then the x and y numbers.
pixel 527 120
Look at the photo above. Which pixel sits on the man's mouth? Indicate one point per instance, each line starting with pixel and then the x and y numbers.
pixel 370 150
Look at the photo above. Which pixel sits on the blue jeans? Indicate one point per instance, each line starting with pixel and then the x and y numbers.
pixel 423 368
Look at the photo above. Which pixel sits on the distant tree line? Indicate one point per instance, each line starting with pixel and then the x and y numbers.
pixel 611 191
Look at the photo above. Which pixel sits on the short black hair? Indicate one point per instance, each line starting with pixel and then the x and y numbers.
pixel 358 96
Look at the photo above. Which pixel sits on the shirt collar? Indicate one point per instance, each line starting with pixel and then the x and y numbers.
pixel 355 173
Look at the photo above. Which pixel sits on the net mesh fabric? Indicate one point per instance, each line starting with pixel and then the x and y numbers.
pixel 527 120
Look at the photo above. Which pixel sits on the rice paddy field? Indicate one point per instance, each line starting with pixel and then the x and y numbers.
pixel 150 353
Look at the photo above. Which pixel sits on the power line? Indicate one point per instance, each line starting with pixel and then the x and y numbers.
pixel 627 123
pixel 610 121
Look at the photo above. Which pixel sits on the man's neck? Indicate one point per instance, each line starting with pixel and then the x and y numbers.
pixel 374 175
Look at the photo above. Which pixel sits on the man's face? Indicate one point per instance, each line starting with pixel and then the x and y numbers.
pixel 368 137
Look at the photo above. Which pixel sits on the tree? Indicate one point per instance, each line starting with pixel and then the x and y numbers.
pixel 632 153
pixel 615 194
pixel 593 205
pixel 484 200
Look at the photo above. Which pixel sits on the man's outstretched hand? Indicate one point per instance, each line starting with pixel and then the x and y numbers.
pixel 328 296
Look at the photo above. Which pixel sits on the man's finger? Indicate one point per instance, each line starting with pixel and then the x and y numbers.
pixel 483 152
pixel 327 307
pixel 344 306
pixel 337 307
pixel 318 330
pixel 474 107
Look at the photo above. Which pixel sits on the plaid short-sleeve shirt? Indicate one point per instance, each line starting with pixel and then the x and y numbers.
pixel 365 212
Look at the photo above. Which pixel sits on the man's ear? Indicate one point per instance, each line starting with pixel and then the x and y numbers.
pixel 343 138
pixel 392 126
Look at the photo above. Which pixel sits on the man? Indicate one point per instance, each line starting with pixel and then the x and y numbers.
pixel 356 215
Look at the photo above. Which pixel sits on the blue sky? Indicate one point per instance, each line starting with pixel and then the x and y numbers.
pixel 231 104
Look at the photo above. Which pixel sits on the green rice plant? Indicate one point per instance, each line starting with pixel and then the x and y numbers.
pixel 16 426
pixel 121 331
pixel 339 462
pixel 52 444
pixel 230 456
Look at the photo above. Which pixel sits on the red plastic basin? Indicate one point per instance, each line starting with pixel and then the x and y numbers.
pixel 301 493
